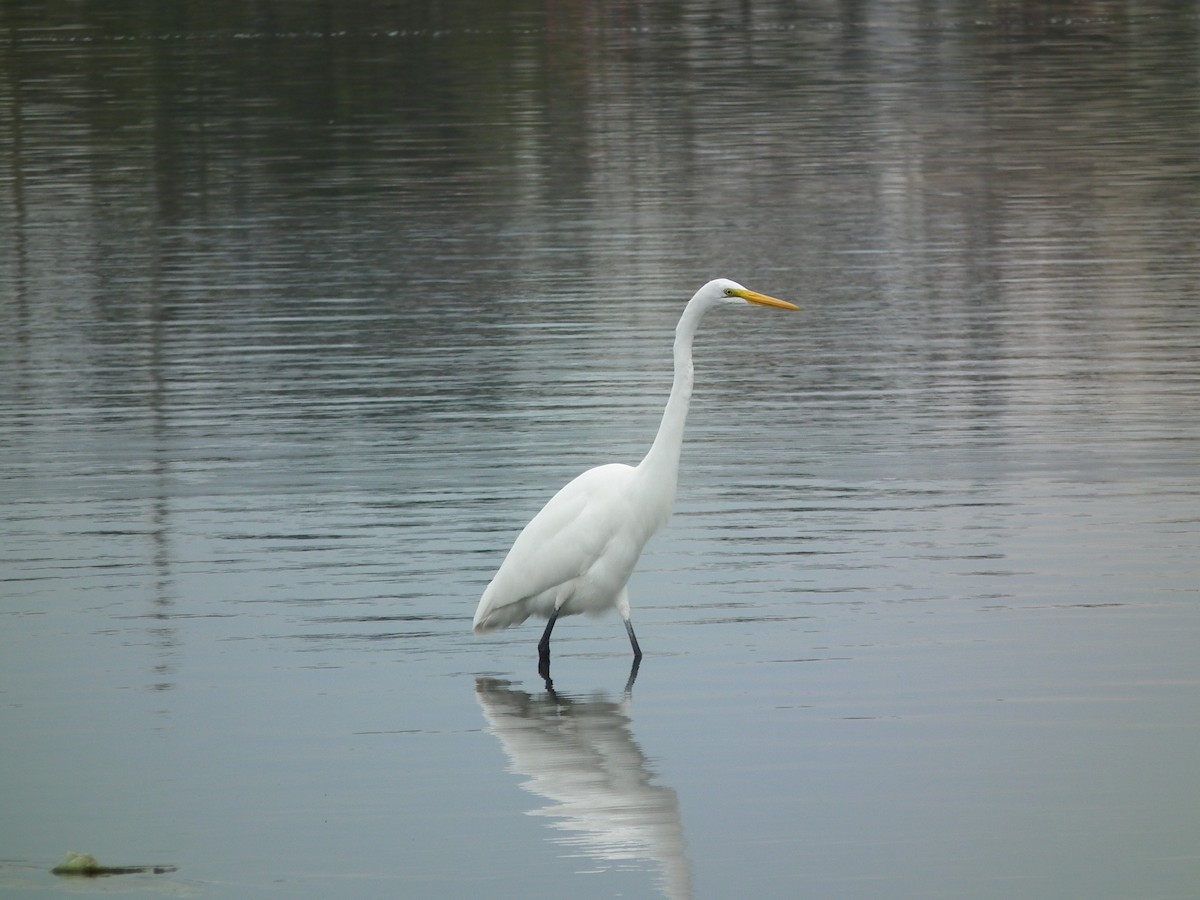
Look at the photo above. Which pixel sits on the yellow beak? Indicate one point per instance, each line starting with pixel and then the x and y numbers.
pixel 764 300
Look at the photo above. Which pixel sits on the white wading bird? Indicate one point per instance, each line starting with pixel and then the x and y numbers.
pixel 576 555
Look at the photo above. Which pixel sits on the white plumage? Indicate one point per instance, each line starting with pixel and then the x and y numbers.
pixel 576 555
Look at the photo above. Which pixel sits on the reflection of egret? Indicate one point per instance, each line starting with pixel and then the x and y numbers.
pixel 577 554
pixel 580 754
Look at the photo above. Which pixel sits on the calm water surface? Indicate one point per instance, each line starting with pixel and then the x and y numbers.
pixel 304 312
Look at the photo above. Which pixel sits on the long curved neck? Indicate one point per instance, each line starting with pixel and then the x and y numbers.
pixel 661 463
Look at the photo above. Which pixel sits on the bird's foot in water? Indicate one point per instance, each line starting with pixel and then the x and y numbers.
pixel 544 671
pixel 633 672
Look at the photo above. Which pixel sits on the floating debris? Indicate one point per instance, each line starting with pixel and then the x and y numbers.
pixel 85 865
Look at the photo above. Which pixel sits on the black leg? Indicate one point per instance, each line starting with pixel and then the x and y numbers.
pixel 544 649
pixel 633 670
pixel 637 651
pixel 544 643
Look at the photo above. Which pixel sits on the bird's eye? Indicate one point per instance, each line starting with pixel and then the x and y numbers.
pixel 728 292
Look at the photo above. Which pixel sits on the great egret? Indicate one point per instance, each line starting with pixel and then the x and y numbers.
pixel 576 555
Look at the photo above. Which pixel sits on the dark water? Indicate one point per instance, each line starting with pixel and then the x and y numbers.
pixel 304 310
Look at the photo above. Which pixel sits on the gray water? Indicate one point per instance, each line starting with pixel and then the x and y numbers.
pixel 304 311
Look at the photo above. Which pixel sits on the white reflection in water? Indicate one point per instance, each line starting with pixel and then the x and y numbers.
pixel 580 754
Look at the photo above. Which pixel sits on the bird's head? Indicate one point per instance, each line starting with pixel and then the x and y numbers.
pixel 722 290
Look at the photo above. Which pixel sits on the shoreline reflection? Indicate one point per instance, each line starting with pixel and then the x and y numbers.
pixel 580 754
